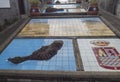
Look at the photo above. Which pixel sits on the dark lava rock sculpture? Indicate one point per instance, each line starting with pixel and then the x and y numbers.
pixel 51 9
pixel 44 53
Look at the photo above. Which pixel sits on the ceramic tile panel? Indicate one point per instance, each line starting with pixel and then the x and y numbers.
pixel 100 54
pixel 63 61
pixel 66 1
pixel 66 27
pixel 77 10
pixel 65 6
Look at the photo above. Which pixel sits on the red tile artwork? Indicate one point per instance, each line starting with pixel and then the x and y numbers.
pixel 107 57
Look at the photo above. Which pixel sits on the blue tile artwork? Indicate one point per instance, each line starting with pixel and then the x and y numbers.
pixel 63 61
pixel 95 19
pixel 39 21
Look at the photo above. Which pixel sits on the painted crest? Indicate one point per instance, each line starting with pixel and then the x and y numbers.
pixel 100 43
pixel 107 57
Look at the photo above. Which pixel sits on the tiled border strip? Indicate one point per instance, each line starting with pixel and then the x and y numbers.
pixel 65 16
pixel 78 58
pixel 42 75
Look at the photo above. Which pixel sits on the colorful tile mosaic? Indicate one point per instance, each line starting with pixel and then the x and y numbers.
pixel 107 57
pixel 35 29
pixel 100 54
pixel 63 61
pixel 66 27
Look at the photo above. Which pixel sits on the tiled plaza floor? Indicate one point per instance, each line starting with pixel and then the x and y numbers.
pixel 99 56
pixel 59 27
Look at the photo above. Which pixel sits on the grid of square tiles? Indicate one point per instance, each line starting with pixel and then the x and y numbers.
pixel 67 27
pixel 88 57
pixel 79 27
pixel 63 61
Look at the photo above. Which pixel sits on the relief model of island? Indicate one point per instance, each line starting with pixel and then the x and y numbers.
pixel 44 53
pixel 51 9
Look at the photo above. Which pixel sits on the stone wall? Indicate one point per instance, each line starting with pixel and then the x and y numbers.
pixel 118 9
pixel 27 7
pixel 112 6
pixel 10 15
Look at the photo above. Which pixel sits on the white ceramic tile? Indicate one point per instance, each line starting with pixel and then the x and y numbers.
pixel 88 57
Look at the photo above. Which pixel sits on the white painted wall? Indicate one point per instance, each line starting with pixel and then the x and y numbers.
pixel 4 3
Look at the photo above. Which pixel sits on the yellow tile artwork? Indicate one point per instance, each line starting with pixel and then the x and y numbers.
pixel 35 29
pixel 66 27
pixel 98 29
